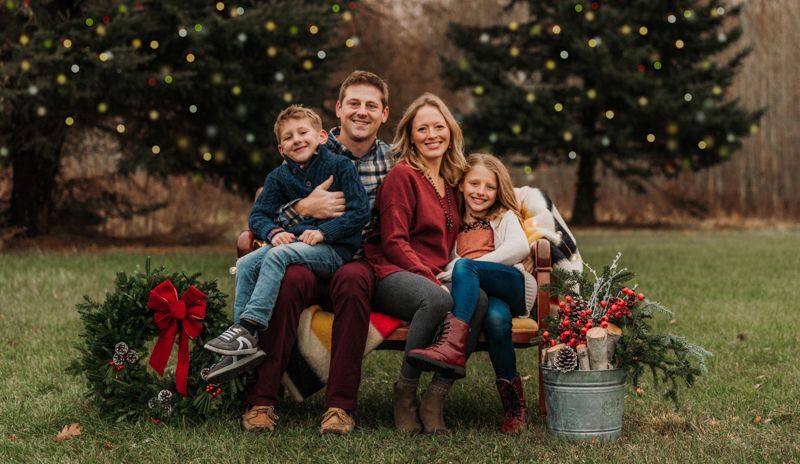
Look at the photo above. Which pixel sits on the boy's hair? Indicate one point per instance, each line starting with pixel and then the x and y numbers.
pixel 297 112
pixel 453 163
pixel 506 200
pixel 359 77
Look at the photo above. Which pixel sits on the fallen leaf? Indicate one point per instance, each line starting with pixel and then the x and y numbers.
pixel 2 317
pixel 757 386
pixel 767 421
pixel 712 422
pixel 762 376
pixel 11 437
pixel 69 431
pixel 107 445
pixel 757 420
pixel 639 391
pixel 673 321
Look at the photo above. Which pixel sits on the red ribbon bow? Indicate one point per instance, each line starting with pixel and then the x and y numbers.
pixel 190 310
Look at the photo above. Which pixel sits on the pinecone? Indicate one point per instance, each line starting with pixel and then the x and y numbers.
pixel 121 348
pixel 566 359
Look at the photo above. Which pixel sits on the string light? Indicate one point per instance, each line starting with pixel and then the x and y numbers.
pixel 155 149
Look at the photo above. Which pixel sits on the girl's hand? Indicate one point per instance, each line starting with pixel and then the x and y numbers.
pixel 282 238
pixel 311 237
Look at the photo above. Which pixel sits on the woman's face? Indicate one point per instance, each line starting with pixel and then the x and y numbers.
pixel 430 134
pixel 480 190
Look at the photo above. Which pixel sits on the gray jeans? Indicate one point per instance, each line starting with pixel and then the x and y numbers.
pixel 415 299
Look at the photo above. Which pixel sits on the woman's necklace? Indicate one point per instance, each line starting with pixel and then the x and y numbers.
pixel 443 202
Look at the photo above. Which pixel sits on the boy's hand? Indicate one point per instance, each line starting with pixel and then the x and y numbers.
pixel 311 237
pixel 283 238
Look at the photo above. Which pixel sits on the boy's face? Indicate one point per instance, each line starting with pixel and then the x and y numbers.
pixel 299 140
pixel 361 112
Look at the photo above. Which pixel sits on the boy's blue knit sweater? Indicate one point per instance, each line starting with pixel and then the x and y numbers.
pixel 289 182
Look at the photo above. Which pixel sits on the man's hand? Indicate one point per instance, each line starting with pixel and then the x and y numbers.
pixel 311 237
pixel 320 203
pixel 282 238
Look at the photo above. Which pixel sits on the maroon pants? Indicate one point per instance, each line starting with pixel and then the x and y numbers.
pixel 349 298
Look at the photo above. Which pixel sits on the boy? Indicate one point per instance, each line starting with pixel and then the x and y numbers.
pixel 322 245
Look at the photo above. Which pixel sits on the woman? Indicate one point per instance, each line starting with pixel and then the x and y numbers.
pixel 419 223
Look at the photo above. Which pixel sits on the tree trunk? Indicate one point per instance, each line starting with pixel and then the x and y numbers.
pixel 585 192
pixel 33 189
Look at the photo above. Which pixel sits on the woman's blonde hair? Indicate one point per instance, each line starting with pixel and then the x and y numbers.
pixel 506 200
pixel 453 163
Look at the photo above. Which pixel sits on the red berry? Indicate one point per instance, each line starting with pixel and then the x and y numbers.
pixel 546 334
pixel 589 325
pixel 584 330
pixel 561 304
pixel 641 296
pixel 567 311
pixel 624 289
pixel 604 324
pixel 603 304
pixel 552 343
pixel 569 299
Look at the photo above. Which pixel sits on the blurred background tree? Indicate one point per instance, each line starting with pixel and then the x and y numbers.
pixel 637 87
pixel 185 86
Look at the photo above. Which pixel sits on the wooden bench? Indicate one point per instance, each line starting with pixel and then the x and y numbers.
pixel 524 331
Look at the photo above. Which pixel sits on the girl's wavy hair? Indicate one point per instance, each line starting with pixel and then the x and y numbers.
pixel 506 200
pixel 453 164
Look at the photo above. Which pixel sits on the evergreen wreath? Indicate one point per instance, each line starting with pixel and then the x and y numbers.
pixel 609 297
pixel 118 337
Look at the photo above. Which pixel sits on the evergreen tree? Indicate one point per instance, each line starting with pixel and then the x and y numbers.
pixel 186 86
pixel 637 86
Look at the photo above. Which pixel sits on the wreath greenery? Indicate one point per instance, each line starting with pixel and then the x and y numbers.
pixel 117 337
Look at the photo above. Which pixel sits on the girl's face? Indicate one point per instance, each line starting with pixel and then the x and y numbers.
pixel 430 134
pixel 480 190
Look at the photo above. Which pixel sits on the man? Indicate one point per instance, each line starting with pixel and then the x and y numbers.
pixel 362 107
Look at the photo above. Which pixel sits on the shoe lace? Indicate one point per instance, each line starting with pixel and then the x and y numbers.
pixel 229 334
pixel 441 335
pixel 268 411
pixel 514 408
pixel 339 413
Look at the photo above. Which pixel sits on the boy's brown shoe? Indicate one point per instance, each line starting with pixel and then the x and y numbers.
pixel 337 422
pixel 260 419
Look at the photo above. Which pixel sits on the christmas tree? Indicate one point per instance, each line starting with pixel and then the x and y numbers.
pixel 186 86
pixel 638 87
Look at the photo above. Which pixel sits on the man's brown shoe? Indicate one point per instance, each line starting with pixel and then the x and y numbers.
pixel 337 422
pixel 260 419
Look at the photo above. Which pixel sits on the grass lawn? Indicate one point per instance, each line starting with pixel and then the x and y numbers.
pixel 731 291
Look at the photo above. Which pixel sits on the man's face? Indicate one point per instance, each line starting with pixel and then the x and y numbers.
pixel 361 112
pixel 299 140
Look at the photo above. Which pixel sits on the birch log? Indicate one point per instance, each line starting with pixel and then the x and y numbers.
pixel 596 341
pixel 614 332
pixel 551 354
pixel 583 358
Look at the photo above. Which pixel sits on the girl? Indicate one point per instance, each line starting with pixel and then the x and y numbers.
pixel 489 252
pixel 419 223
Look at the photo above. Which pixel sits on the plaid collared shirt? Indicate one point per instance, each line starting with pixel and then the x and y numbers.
pixel 371 168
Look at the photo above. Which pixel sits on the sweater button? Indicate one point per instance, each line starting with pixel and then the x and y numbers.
pixel 308 183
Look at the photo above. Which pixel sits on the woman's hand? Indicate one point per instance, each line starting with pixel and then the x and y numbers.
pixel 445 288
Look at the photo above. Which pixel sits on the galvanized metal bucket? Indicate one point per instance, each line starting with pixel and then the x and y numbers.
pixel 584 405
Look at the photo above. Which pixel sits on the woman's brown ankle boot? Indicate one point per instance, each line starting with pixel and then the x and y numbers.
pixel 404 403
pixel 431 409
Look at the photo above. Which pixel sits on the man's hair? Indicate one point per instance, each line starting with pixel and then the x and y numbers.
pixel 359 77
pixel 297 112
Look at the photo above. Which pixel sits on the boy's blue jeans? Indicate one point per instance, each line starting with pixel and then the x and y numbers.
pixel 505 287
pixel 259 275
